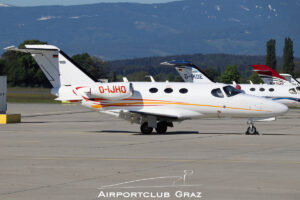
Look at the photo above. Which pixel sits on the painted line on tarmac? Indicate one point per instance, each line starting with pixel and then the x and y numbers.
pixel 56 113
pixel 149 160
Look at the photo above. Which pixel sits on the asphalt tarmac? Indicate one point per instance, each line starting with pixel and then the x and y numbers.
pixel 67 152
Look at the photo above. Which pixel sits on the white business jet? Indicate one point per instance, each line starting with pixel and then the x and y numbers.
pixel 150 104
pixel 287 94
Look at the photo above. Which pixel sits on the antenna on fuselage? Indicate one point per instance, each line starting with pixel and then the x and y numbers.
pixel 151 78
pixel 125 80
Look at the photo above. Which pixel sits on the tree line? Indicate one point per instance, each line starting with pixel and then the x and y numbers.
pixel 22 71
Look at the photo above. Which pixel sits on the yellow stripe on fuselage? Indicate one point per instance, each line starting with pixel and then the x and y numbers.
pixel 157 102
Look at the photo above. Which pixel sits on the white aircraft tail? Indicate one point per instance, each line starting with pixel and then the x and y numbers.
pixel 59 68
pixel 188 71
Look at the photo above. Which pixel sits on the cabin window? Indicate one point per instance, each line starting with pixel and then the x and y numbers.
pixel 217 93
pixel 262 89
pixel 292 91
pixel 231 91
pixel 271 89
pixel 252 89
pixel 298 89
pixel 183 90
pixel 168 90
pixel 153 90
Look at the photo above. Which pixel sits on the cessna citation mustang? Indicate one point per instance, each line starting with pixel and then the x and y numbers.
pixel 150 104
pixel 287 94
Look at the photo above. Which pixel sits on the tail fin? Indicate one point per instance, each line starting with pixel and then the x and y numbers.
pixel 269 75
pixel 188 71
pixel 60 69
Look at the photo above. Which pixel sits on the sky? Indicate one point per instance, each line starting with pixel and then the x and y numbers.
pixel 71 2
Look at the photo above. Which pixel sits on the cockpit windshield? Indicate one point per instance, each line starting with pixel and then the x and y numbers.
pixel 292 91
pixel 231 91
pixel 298 89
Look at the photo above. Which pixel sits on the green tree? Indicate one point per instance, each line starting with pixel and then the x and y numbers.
pixel 288 57
pixel 230 74
pixel 160 77
pixel 137 76
pixel 211 73
pixel 22 70
pixel 271 54
pixel 114 77
pixel 255 78
pixel 297 70
pixel 93 65
pixel 22 45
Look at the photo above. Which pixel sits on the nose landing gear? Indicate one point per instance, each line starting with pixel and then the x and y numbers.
pixel 251 130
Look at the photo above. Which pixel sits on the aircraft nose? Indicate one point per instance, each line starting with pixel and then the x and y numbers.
pixel 279 108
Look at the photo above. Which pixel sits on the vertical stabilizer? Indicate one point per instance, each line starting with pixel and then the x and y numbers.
pixel 189 72
pixel 59 69
pixel 269 75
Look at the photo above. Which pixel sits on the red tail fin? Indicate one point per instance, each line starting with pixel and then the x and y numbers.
pixel 266 72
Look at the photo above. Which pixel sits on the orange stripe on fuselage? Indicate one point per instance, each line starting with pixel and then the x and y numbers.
pixel 145 102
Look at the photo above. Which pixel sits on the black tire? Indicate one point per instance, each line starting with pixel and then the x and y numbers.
pixel 145 129
pixel 251 131
pixel 162 127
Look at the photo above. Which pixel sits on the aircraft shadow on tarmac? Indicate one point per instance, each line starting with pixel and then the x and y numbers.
pixel 153 133
pixel 34 122
pixel 172 133
pixel 61 121
pixel 184 133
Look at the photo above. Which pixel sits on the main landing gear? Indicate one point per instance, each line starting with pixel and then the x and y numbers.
pixel 161 127
pixel 251 130
pixel 145 129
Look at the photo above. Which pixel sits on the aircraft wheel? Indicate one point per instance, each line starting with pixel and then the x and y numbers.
pixel 161 127
pixel 145 129
pixel 251 131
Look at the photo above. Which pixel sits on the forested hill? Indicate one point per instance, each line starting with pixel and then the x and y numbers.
pixel 152 66
pixel 22 71
pixel 129 30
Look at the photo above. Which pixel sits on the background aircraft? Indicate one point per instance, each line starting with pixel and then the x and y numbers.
pixel 286 94
pixel 150 104
pixel 270 76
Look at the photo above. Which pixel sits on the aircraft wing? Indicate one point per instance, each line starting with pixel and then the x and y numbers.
pixel 160 113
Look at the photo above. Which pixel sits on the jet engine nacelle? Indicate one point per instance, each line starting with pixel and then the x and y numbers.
pixel 111 91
